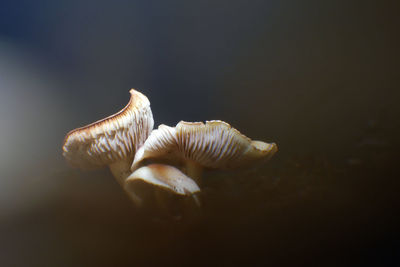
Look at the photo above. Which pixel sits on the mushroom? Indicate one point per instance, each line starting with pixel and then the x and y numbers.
pixel 163 176
pixel 195 146
pixel 126 143
pixel 112 141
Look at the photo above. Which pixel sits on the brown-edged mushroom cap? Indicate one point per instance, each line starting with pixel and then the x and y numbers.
pixel 214 145
pixel 113 139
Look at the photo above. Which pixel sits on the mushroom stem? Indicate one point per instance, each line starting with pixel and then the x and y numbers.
pixel 121 170
pixel 194 170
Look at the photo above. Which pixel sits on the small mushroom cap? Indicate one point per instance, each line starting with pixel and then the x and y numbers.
pixel 164 176
pixel 112 139
pixel 212 145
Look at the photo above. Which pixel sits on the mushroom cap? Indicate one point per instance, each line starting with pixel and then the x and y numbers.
pixel 112 139
pixel 214 144
pixel 164 176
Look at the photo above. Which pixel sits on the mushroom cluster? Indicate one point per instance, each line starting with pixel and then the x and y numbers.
pixel 171 158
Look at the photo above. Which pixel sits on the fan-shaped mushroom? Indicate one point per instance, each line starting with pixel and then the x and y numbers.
pixel 112 141
pixel 195 145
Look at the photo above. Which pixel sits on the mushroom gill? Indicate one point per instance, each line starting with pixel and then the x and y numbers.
pixel 214 145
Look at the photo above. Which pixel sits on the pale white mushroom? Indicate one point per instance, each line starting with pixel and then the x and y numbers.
pixel 195 145
pixel 113 142
pixel 163 176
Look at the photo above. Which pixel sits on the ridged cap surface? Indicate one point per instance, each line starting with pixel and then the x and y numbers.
pixel 112 139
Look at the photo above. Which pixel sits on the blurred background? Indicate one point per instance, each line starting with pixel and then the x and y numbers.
pixel 319 78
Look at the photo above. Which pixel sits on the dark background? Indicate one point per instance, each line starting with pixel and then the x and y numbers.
pixel 319 78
